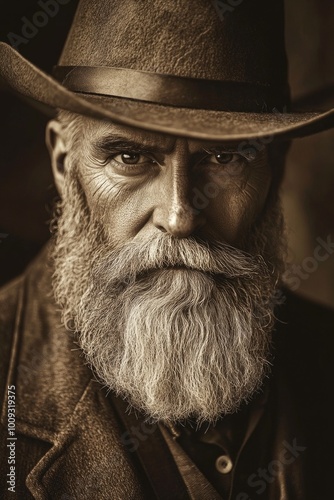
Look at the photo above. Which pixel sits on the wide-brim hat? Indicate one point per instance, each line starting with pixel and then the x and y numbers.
pixel 203 69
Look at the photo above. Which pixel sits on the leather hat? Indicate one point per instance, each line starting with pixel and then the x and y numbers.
pixel 202 68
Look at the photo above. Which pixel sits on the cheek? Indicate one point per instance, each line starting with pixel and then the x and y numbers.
pixel 234 209
pixel 119 204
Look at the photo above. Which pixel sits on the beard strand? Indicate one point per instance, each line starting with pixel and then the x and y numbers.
pixel 180 328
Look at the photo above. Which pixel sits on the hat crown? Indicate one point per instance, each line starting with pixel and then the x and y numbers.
pixel 231 41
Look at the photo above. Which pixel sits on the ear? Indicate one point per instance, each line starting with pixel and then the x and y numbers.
pixel 56 144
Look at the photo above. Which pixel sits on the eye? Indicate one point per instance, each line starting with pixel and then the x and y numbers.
pixel 228 161
pixel 131 158
pixel 225 158
pixel 132 163
pixel 224 163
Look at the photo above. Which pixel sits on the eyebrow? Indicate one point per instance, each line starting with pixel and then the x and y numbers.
pixel 119 143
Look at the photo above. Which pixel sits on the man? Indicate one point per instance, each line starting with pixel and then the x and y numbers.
pixel 163 278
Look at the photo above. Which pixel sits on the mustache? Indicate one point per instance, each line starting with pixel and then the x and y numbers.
pixel 163 251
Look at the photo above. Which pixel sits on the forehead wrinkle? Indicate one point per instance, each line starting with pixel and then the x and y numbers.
pixel 103 133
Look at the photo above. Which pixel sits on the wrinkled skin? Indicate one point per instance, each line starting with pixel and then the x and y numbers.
pixel 175 185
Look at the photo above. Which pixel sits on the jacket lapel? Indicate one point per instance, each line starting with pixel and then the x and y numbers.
pixel 58 401
pixel 87 459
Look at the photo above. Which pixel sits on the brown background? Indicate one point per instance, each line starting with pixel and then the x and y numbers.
pixel 308 190
pixel 26 188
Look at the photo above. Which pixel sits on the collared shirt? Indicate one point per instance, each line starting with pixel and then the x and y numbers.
pixel 207 456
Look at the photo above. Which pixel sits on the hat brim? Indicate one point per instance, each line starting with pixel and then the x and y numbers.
pixel 29 81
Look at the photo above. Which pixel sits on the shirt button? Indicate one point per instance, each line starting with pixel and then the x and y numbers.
pixel 224 464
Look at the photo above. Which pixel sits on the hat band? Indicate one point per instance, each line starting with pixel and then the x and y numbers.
pixel 171 90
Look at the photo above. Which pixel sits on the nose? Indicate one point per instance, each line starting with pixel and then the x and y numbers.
pixel 182 219
pixel 174 212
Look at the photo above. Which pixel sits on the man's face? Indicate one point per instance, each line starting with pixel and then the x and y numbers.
pixel 139 183
pixel 166 262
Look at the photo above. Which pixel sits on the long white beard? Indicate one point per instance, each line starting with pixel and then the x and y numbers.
pixel 179 329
